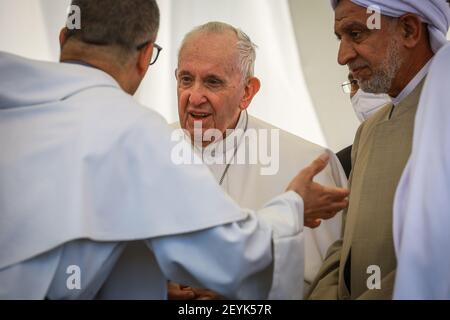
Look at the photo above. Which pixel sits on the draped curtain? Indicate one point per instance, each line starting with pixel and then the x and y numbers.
pixel 30 28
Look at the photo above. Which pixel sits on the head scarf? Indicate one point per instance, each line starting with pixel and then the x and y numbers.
pixel 435 13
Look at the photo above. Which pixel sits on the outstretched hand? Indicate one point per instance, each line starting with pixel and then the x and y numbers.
pixel 320 202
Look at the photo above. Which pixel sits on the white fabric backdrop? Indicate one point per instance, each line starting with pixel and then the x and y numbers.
pixel 30 28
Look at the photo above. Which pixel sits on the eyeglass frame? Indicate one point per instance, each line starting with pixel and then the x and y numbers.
pixel 349 83
pixel 159 48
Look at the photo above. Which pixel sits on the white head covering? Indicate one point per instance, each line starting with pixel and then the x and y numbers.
pixel 436 13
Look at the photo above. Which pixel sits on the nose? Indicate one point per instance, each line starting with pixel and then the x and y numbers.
pixel 346 52
pixel 197 95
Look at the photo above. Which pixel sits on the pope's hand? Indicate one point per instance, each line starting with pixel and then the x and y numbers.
pixel 320 202
pixel 178 292
pixel 205 294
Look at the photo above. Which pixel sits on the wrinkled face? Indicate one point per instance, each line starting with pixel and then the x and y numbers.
pixel 209 83
pixel 372 56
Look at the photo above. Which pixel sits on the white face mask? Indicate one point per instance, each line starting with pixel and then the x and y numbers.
pixel 366 104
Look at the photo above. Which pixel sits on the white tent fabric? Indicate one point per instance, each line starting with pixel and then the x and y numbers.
pixel 30 28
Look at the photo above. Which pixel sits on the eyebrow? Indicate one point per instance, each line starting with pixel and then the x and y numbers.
pixel 351 26
pixel 207 76
pixel 183 73
pixel 215 76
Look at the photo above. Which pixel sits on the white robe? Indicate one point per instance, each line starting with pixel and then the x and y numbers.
pixel 87 181
pixel 251 189
pixel 422 202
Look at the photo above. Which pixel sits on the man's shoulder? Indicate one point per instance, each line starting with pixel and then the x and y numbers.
pixel 380 116
pixel 118 115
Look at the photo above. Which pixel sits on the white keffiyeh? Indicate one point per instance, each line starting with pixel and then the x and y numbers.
pixel 436 13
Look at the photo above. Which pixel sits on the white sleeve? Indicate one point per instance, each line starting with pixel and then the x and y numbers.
pixel 257 258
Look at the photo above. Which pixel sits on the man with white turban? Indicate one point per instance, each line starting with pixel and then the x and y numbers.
pixel 421 214
pixel 393 58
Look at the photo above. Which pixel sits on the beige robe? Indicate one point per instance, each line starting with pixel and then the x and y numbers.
pixel 380 152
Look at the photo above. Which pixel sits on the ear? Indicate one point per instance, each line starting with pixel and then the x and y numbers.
pixel 143 60
pixel 62 37
pixel 412 30
pixel 251 89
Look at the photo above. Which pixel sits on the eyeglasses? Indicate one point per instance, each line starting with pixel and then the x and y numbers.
pixel 349 86
pixel 155 53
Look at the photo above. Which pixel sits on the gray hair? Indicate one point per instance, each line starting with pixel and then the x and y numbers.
pixel 245 47
pixel 122 23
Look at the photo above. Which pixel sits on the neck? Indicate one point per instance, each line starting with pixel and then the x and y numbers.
pixel 114 69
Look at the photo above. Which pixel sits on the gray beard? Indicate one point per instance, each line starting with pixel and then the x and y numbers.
pixel 381 80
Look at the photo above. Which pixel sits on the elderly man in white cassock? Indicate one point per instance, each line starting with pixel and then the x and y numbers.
pixel 388 46
pixel 92 203
pixel 250 159
pixel 422 202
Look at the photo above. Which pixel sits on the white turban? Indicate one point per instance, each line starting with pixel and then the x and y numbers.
pixel 436 13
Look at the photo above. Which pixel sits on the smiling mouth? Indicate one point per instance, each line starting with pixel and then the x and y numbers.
pixel 199 115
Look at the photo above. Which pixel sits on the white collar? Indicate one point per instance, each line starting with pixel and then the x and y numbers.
pixel 412 84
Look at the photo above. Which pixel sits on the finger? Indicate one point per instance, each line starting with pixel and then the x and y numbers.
pixel 329 215
pixel 313 223
pixel 338 206
pixel 205 294
pixel 333 211
pixel 322 215
pixel 336 193
pixel 182 294
pixel 316 166
pixel 182 287
pixel 335 206
pixel 329 211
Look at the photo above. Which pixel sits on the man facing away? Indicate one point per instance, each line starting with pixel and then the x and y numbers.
pixel 250 159
pixel 394 59
pixel 93 206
